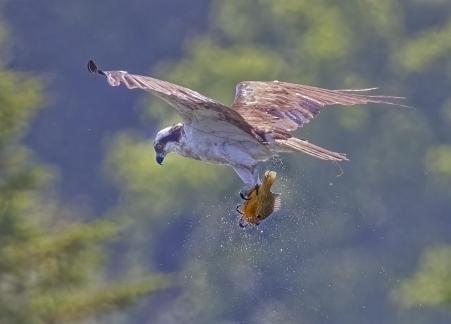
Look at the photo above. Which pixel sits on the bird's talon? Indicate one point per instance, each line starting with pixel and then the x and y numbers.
pixel 244 193
pixel 244 197
pixel 242 223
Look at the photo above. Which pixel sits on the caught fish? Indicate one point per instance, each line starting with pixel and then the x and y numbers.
pixel 260 201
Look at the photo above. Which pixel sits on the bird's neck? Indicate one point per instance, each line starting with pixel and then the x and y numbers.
pixel 182 146
pixel 187 147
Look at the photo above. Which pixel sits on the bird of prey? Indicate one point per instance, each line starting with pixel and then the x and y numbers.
pixel 257 126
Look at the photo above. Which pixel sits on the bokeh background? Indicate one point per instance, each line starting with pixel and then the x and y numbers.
pixel 92 230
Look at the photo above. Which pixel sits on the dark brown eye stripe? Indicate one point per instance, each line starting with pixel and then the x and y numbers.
pixel 173 136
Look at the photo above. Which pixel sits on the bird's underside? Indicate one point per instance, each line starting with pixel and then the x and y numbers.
pixel 264 114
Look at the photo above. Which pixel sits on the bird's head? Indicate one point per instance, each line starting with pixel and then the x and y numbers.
pixel 167 140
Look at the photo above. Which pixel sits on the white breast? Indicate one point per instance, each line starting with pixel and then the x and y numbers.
pixel 222 146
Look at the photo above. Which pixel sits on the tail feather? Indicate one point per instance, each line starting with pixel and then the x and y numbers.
pixel 298 145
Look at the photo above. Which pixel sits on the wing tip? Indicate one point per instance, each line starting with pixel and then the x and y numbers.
pixel 93 68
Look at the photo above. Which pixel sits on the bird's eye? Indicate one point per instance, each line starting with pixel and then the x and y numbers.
pixel 159 147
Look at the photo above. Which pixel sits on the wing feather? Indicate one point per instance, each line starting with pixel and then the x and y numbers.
pixel 195 108
pixel 281 107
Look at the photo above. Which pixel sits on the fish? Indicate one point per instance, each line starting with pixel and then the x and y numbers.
pixel 259 202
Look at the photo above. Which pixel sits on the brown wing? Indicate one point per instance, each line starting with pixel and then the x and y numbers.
pixel 280 107
pixel 195 108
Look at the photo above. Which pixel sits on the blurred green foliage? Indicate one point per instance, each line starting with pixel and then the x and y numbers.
pixel 431 285
pixel 425 49
pixel 49 266
pixel 337 244
pixel 437 164
pixel 342 250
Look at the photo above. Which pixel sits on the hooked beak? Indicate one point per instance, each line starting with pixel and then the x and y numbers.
pixel 160 158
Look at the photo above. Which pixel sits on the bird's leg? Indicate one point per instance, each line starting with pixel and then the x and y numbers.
pixel 249 175
pixel 257 179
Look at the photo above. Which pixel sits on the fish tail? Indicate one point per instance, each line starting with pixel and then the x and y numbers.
pixel 268 181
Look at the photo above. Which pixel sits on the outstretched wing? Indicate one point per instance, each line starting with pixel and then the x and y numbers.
pixel 280 107
pixel 196 109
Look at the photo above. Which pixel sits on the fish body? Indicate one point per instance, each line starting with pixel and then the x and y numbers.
pixel 260 201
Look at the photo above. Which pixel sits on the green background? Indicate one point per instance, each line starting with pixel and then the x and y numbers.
pixel 94 231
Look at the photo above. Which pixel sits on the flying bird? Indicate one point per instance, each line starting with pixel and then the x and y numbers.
pixel 257 126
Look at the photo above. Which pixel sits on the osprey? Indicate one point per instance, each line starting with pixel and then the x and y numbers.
pixel 257 126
